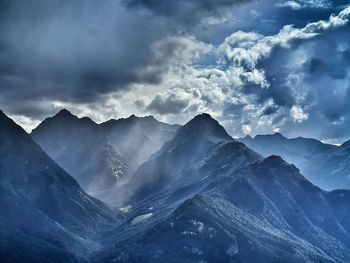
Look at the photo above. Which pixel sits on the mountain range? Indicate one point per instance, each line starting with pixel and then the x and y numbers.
pixel 323 164
pixel 197 196
pixel 205 197
pixel 100 156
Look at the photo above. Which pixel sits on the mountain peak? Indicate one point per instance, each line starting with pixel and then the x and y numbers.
pixel 64 113
pixel 275 161
pixel 246 138
pixel 146 118
pixel 7 125
pixel 204 125
pixel 278 134
pixel 203 117
pixel 64 120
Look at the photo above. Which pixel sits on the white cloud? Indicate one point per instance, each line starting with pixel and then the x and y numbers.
pixel 246 128
pixel 191 88
pixel 298 4
pixel 238 68
pixel 28 124
pixel 298 114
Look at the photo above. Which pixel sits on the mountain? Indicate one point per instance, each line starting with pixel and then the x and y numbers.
pixel 323 164
pixel 264 212
pixel 101 157
pixel 200 152
pixel 331 169
pixel 80 147
pixel 297 151
pixel 45 215
pixel 137 138
pixel 202 197
pixel 200 149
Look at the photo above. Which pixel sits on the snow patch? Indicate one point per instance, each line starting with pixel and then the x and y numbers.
pixel 199 226
pixel 205 177
pixel 125 209
pixel 141 218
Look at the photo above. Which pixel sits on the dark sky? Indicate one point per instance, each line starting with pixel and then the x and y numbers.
pixel 256 66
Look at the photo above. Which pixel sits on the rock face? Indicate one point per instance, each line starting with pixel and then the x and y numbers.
pixel 323 164
pixel 45 215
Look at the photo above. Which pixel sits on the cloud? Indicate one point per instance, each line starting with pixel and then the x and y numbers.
pixel 173 104
pixel 299 4
pixel 263 78
pixel 186 12
pixel 255 64
pixel 78 51
pixel 298 114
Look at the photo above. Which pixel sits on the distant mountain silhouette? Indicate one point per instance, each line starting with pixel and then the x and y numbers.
pixel 324 164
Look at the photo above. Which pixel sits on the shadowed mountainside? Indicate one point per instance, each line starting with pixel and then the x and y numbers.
pixel 44 212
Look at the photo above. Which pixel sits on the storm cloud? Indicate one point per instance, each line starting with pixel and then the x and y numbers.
pixel 257 66
pixel 78 51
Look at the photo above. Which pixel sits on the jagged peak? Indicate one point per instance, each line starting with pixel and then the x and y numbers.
pixel 147 117
pixel 65 113
pixel 62 118
pixel 134 119
pixel 10 127
pixel 203 124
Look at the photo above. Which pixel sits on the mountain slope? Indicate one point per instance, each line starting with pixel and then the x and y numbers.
pixel 188 157
pixel 44 212
pixel 137 138
pixel 331 169
pixel 101 156
pixel 266 212
pixel 82 149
